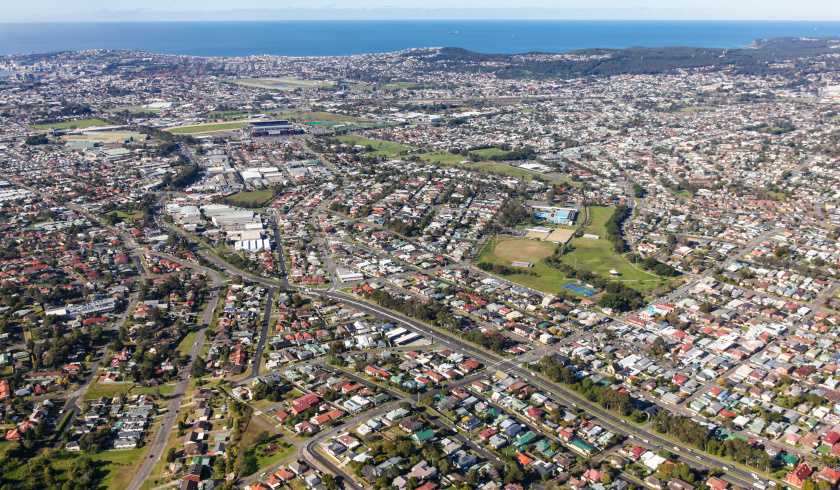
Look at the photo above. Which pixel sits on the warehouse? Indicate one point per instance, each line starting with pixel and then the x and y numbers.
pixel 277 127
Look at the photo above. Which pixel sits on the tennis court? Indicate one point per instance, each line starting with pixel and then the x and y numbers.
pixel 581 290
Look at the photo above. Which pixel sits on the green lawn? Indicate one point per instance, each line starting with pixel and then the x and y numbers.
pixel 387 149
pixel 319 116
pixel 99 390
pixel 75 124
pixel 277 449
pixel 486 153
pixel 253 199
pixel 503 169
pixel 137 109
pixel 400 85
pixel 227 115
pixel 208 128
pixel 596 220
pixel 598 256
pixel 5 447
pixel 595 256
pixel 132 217
pixel 186 344
pixel 777 195
pixel 443 158
pixel 117 467
pixel 682 194
pixel 447 159
pixel 503 250
pixel 105 136
pixel 120 466
pixel 283 83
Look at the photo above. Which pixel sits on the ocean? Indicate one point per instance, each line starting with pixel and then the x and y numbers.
pixel 320 38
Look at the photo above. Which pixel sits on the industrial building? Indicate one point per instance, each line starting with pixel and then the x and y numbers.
pixel 278 127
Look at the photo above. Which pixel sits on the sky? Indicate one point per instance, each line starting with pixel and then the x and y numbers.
pixel 145 10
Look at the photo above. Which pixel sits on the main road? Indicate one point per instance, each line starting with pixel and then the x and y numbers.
pixel 256 362
pixel 167 424
pixel 611 421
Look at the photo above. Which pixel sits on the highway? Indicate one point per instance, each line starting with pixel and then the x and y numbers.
pixel 256 362
pixel 158 444
pixel 609 420
pixel 281 264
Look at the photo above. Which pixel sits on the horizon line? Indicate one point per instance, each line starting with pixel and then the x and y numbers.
pixel 407 19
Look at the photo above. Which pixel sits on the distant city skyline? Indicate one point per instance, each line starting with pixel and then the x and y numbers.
pixel 220 10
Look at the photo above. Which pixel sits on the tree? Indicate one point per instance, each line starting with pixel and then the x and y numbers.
pixel 513 473
pixel 218 468
pixel 659 347
pixel 329 482
pixel 249 463
pixel 198 368
pixel 171 455
pixel 639 191
pixel 38 139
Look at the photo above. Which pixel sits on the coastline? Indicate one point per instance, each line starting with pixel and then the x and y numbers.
pixel 355 37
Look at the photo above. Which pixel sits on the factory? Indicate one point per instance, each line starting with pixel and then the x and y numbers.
pixel 242 227
pixel 278 127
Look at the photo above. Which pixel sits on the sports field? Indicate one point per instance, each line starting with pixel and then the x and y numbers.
pixel 446 159
pixel 319 116
pixel 495 153
pixel 75 124
pixel 228 115
pixel 208 128
pixel 560 235
pixel 598 256
pixel 522 250
pixel 251 199
pixel 283 83
pixel 595 256
pixel 504 250
pixel 105 136
pixel 387 149
pixel 401 85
